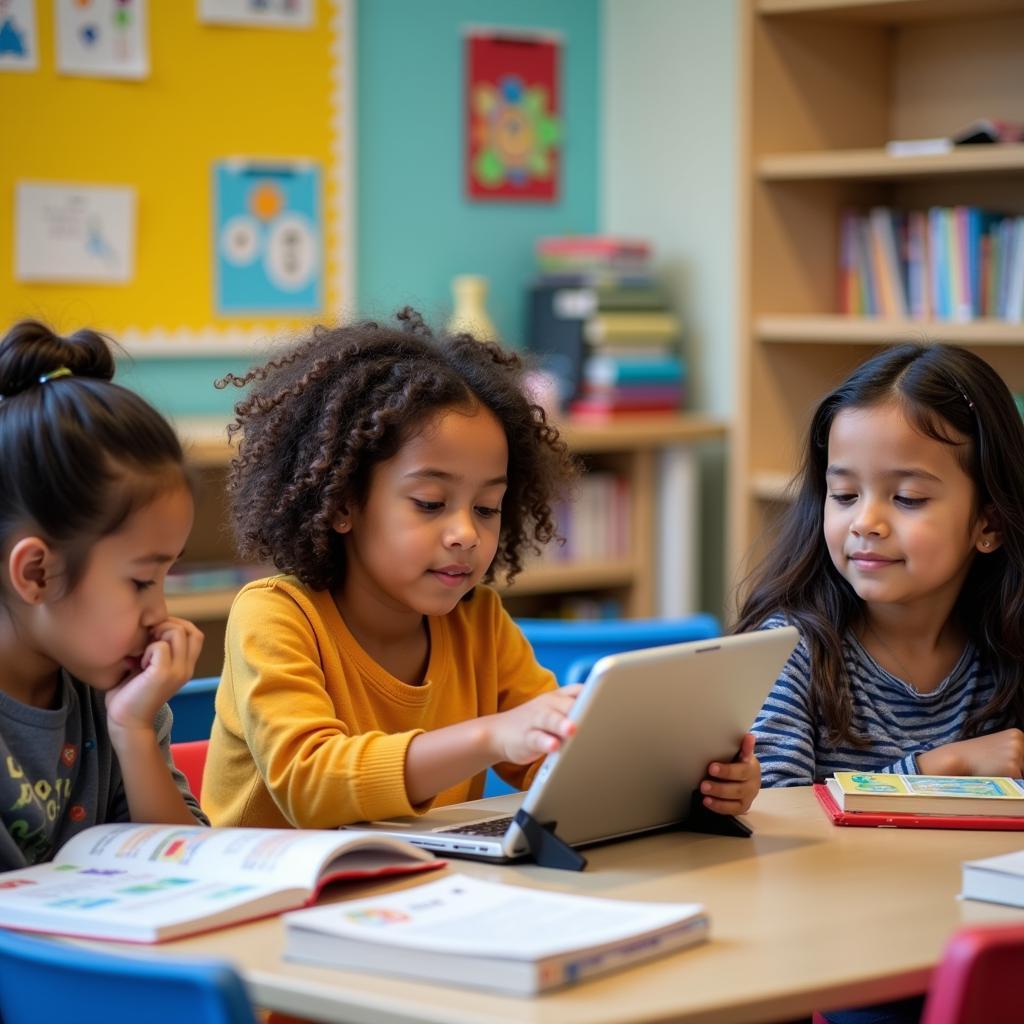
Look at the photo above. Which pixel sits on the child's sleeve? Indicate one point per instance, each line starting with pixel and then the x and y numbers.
pixel 784 728
pixel 520 678
pixel 319 770
pixel 164 722
pixel 117 808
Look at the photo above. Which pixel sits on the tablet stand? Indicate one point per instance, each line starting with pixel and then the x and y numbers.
pixel 700 819
pixel 546 848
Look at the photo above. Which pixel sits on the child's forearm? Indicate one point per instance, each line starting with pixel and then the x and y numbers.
pixel 149 788
pixel 436 760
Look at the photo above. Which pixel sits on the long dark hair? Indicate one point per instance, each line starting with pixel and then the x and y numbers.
pixel 320 417
pixel 947 393
pixel 78 453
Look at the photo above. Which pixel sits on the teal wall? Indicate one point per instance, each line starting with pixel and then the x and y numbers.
pixel 415 229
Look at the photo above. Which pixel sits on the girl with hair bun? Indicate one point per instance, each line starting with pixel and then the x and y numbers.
pixel 95 506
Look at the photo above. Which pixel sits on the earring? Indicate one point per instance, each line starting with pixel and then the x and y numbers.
pixel 986 544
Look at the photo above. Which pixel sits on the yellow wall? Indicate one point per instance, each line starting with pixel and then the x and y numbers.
pixel 212 92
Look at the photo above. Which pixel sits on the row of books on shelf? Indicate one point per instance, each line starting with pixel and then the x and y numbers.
pixel 945 263
pixel 595 521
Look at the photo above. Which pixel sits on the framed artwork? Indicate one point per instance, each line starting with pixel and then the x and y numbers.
pixel 513 128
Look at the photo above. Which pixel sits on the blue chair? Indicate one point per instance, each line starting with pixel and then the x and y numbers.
pixel 571 648
pixel 192 707
pixel 42 980
pixel 559 643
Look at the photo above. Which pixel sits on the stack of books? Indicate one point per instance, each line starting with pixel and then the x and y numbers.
pixel 945 263
pixel 598 308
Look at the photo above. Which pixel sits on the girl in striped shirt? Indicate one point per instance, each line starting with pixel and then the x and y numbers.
pixel 901 562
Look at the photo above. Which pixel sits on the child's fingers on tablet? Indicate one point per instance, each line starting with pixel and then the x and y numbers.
pixel 723 790
pixel 733 771
pixel 723 806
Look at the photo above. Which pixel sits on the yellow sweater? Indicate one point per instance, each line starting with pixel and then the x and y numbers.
pixel 311 732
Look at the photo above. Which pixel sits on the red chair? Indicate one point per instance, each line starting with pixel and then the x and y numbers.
pixel 190 759
pixel 978 979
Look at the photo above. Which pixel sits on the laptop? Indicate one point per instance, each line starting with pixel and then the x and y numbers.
pixel 648 724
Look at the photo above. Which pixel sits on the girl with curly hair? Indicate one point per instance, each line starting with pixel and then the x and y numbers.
pixel 388 475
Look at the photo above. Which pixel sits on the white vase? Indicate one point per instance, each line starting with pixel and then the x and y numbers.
pixel 470 313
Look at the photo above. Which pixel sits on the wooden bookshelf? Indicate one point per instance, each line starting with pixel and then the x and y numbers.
pixel 836 329
pixel 827 83
pixel 647 451
pixel 876 164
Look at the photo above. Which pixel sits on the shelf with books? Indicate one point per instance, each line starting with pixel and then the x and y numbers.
pixel 828 83
pixel 651 572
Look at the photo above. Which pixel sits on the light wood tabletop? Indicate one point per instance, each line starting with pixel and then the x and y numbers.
pixel 803 916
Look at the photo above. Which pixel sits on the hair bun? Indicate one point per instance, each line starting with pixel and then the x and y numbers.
pixel 31 350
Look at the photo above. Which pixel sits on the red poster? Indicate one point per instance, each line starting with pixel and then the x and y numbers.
pixel 513 130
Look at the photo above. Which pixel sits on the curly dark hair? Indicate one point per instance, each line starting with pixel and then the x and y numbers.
pixel 320 417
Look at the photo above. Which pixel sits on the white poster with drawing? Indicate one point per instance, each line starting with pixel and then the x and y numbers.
pixel 81 233
pixel 102 38
pixel 18 38
pixel 271 13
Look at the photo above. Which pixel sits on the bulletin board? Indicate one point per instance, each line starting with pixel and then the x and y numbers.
pixel 213 93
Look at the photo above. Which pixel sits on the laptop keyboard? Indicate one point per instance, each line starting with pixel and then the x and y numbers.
pixel 492 827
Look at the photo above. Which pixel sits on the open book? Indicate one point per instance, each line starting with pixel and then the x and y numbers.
pixel 927 794
pixel 490 935
pixel 147 883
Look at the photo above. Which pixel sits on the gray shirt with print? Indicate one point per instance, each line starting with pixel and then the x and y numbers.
pixel 59 773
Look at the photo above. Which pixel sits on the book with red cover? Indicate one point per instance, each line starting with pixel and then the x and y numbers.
pixel 878 819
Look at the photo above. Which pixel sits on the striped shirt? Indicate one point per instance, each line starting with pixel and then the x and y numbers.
pixel 898 722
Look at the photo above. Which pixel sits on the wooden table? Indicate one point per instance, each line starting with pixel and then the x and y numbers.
pixel 804 916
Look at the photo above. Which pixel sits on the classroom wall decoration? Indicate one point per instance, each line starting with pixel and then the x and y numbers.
pixel 268 237
pixel 74 233
pixel 215 93
pixel 269 13
pixel 513 130
pixel 102 38
pixel 18 35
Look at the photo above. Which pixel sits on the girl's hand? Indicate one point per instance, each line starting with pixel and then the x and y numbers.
pixel 1000 753
pixel 167 664
pixel 731 788
pixel 535 728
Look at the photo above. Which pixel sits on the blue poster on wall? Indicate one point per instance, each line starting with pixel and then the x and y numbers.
pixel 268 237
